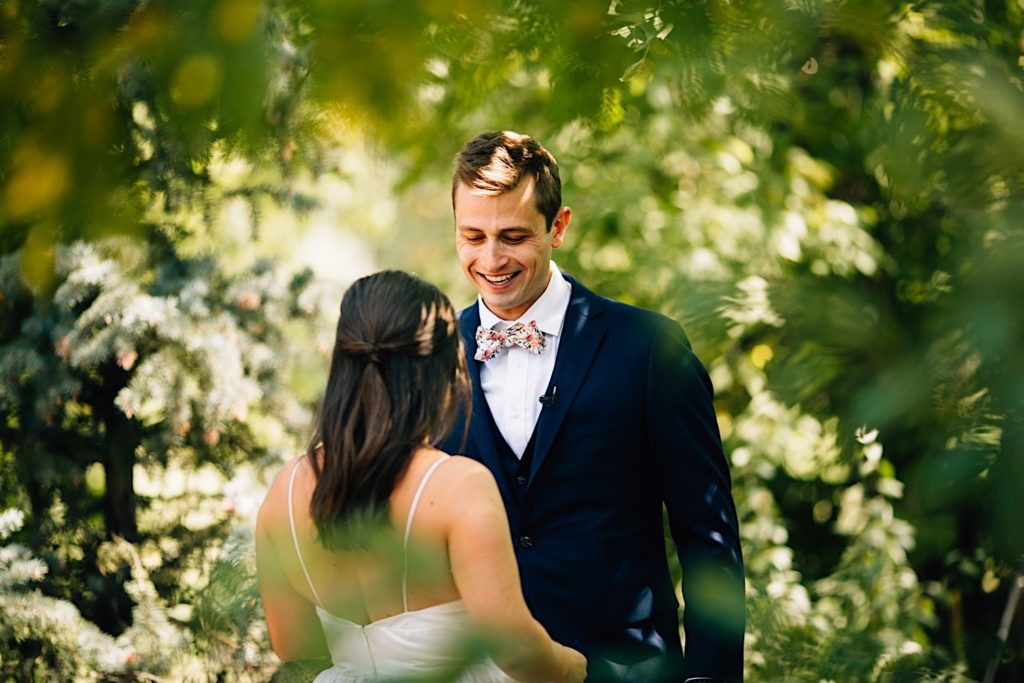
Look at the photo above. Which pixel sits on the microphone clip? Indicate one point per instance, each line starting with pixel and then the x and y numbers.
pixel 548 400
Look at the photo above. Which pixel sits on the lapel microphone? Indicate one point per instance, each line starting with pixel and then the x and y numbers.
pixel 548 400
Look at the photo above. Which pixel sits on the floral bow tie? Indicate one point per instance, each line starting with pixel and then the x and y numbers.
pixel 489 342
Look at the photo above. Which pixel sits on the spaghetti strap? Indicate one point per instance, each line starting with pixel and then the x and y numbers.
pixel 295 538
pixel 408 528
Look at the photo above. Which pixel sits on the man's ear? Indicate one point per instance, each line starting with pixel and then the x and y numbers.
pixel 560 225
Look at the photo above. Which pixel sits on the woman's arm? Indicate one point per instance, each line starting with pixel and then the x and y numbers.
pixel 295 631
pixel 487 577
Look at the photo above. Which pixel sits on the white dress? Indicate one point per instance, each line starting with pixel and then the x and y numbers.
pixel 420 644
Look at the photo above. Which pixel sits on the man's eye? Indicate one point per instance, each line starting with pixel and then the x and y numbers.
pixel 473 238
pixel 515 240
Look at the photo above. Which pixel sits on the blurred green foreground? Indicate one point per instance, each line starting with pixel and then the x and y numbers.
pixel 828 194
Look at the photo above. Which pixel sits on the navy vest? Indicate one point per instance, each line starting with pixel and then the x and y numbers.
pixel 516 470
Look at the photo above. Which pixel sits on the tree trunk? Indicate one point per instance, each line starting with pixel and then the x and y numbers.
pixel 119 503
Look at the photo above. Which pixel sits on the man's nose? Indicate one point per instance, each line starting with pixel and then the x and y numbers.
pixel 493 254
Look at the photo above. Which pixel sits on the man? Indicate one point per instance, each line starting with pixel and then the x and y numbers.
pixel 591 414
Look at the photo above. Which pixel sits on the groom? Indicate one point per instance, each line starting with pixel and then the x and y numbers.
pixel 592 414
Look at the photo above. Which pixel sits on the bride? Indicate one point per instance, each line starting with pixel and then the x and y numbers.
pixel 378 549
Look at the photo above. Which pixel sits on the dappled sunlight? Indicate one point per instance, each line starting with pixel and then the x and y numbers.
pixel 827 195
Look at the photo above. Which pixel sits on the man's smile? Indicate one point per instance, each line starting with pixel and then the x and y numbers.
pixel 499 280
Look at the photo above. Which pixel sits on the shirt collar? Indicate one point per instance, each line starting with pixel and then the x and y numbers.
pixel 548 310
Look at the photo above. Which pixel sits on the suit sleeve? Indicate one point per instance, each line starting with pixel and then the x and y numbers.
pixel 697 490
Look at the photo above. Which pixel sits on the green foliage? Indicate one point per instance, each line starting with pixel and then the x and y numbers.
pixel 131 398
pixel 45 637
pixel 96 94
pixel 143 344
pixel 227 618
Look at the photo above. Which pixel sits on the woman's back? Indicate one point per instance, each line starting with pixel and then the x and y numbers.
pixel 373 575
pixel 371 629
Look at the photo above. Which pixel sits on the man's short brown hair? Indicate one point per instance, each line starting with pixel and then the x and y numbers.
pixel 496 162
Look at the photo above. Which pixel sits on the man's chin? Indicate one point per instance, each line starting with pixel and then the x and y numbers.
pixel 496 304
pixel 500 307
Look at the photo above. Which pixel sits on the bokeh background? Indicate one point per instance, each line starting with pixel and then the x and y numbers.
pixel 827 194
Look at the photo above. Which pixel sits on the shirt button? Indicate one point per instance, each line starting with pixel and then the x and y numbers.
pixel 521 479
pixel 515 416
pixel 526 541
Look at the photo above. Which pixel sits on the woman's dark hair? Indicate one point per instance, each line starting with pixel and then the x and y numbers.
pixel 397 380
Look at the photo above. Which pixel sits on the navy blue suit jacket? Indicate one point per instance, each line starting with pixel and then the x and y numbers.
pixel 632 427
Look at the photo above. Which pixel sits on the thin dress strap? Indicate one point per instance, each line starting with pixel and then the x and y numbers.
pixel 408 528
pixel 295 538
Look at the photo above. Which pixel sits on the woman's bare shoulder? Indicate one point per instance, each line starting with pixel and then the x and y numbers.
pixel 468 466
pixel 467 482
pixel 471 504
pixel 461 469
pixel 276 501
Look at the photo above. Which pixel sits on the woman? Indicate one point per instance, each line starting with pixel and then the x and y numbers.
pixel 339 525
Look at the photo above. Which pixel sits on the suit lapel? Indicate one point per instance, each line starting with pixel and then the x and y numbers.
pixel 582 333
pixel 479 425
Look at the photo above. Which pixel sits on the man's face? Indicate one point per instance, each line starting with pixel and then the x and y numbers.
pixel 504 246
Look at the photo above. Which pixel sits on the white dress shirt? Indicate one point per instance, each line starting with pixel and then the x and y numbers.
pixel 515 379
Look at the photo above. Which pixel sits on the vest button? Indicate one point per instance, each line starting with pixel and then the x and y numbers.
pixel 521 479
pixel 525 542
